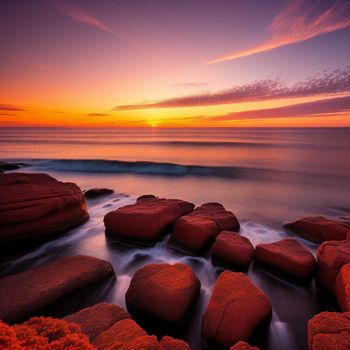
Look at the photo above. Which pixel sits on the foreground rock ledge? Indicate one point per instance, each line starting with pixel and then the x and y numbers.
pixel 232 250
pixel 146 220
pixel 37 205
pixel 287 256
pixel 318 229
pixel 329 331
pixel 29 292
pixel 236 308
pixel 241 345
pixel 196 231
pixel 163 293
pixel 331 256
pixel 97 318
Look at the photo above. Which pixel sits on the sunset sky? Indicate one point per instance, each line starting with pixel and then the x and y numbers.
pixel 166 63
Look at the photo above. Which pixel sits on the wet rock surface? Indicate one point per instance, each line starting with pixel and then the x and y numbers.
pixel 329 331
pixel 331 256
pixel 97 192
pixel 34 206
pixel 196 231
pixel 318 229
pixel 232 250
pixel 342 287
pixel 29 292
pixel 97 318
pixel 146 220
pixel 236 308
pixel 163 294
pixel 287 256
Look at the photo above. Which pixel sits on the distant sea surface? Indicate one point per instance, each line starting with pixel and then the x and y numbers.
pixel 265 176
pixel 272 173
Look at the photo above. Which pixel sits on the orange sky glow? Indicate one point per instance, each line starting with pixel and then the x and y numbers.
pixel 116 66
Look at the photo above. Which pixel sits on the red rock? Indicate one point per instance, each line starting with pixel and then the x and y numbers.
pixel 342 287
pixel 196 231
pixel 146 220
pixel 145 196
pixel 97 192
pixel 29 292
pixel 331 256
pixel 168 343
pixel 125 335
pixel 97 318
pixel 329 331
pixel 232 249
pixel 241 345
pixel 37 205
pixel 287 255
pixel 163 292
pixel 236 308
pixel 318 229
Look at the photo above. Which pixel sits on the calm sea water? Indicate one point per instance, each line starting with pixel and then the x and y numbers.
pixel 265 176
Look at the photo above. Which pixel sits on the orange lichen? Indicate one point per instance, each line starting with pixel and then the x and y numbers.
pixel 43 333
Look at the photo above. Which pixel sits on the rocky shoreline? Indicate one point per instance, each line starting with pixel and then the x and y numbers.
pixel 161 297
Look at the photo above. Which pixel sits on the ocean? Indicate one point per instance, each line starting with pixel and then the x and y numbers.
pixel 266 176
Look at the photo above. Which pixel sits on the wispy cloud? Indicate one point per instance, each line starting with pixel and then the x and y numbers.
pixel 98 114
pixel 325 83
pixel 327 107
pixel 81 15
pixel 191 84
pixel 27 62
pixel 11 108
pixel 298 21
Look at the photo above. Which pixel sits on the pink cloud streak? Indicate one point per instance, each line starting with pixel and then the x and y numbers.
pixel 298 21
pixel 80 15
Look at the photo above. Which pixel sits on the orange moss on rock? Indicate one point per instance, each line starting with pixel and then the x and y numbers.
pixel 43 333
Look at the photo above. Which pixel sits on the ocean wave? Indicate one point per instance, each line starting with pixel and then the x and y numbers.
pixel 143 168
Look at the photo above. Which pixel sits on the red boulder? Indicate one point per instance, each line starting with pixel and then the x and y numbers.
pixel 232 249
pixel 163 293
pixel 37 205
pixel 168 343
pixel 288 256
pixel 342 287
pixel 318 229
pixel 97 318
pixel 329 331
pixel 29 292
pixel 241 345
pixel 97 192
pixel 196 231
pixel 331 256
pixel 125 335
pixel 146 220
pixel 236 308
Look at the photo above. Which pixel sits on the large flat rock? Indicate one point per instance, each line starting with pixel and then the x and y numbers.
pixel 196 231
pixel 329 331
pixel 29 292
pixel 163 293
pixel 37 205
pixel 287 256
pixel 331 256
pixel 236 308
pixel 318 229
pixel 95 319
pixel 146 220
